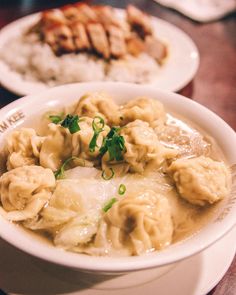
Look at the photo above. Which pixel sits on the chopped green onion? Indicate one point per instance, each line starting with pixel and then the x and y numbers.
pixel 108 177
pixel 97 128
pixel 71 122
pixel 114 143
pixel 59 174
pixel 55 119
pixel 122 189
pixel 109 204
pixel 93 142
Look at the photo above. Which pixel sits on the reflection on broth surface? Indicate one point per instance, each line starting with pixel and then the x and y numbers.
pixel 104 179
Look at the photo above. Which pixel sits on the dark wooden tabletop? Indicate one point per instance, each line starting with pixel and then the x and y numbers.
pixel 213 86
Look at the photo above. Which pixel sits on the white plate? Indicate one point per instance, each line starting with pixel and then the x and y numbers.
pixel 178 71
pixel 23 274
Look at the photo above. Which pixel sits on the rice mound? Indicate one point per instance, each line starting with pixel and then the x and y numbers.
pixel 35 61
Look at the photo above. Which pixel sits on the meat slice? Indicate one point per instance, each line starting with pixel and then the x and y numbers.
pixel 107 16
pixel 135 45
pixel 52 17
pixel 86 13
pixel 60 38
pixel 117 41
pixel 155 48
pixel 80 36
pixel 99 39
pixel 139 21
pixel 80 12
pixel 70 12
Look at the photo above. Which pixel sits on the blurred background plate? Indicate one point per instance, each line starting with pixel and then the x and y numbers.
pixel 202 10
pixel 179 69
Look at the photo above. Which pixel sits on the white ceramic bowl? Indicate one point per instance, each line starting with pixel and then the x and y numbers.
pixel 17 114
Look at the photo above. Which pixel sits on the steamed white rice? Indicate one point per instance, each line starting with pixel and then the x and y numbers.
pixel 35 61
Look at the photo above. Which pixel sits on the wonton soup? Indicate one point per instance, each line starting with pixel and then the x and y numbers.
pixel 117 180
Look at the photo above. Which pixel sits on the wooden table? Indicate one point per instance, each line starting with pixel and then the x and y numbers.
pixel 213 86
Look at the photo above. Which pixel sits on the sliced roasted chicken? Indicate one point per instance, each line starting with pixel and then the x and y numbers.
pixel 80 36
pixel 155 48
pixel 107 16
pixel 117 41
pixel 70 12
pixel 135 45
pixel 60 38
pixel 52 17
pixel 99 39
pixel 139 21
pixel 86 13
pixel 80 12
pixel 80 27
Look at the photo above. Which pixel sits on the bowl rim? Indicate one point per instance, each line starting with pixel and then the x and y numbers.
pixel 122 264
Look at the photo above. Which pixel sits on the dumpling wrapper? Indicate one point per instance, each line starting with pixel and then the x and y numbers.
pixel 25 190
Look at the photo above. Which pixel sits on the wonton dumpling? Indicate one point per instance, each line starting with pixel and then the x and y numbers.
pixel 23 147
pixel 142 108
pixel 56 148
pixel 81 140
pixel 143 149
pixel 139 223
pixel 99 104
pixel 200 180
pixel 25 190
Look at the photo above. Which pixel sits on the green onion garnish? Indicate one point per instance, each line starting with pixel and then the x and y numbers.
pixel 97 124
pixel 59 174
pixel 109 204
pixel 114 143
pixel 72 123
pixel 122 189
pixel 108 177
pixel 55 119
